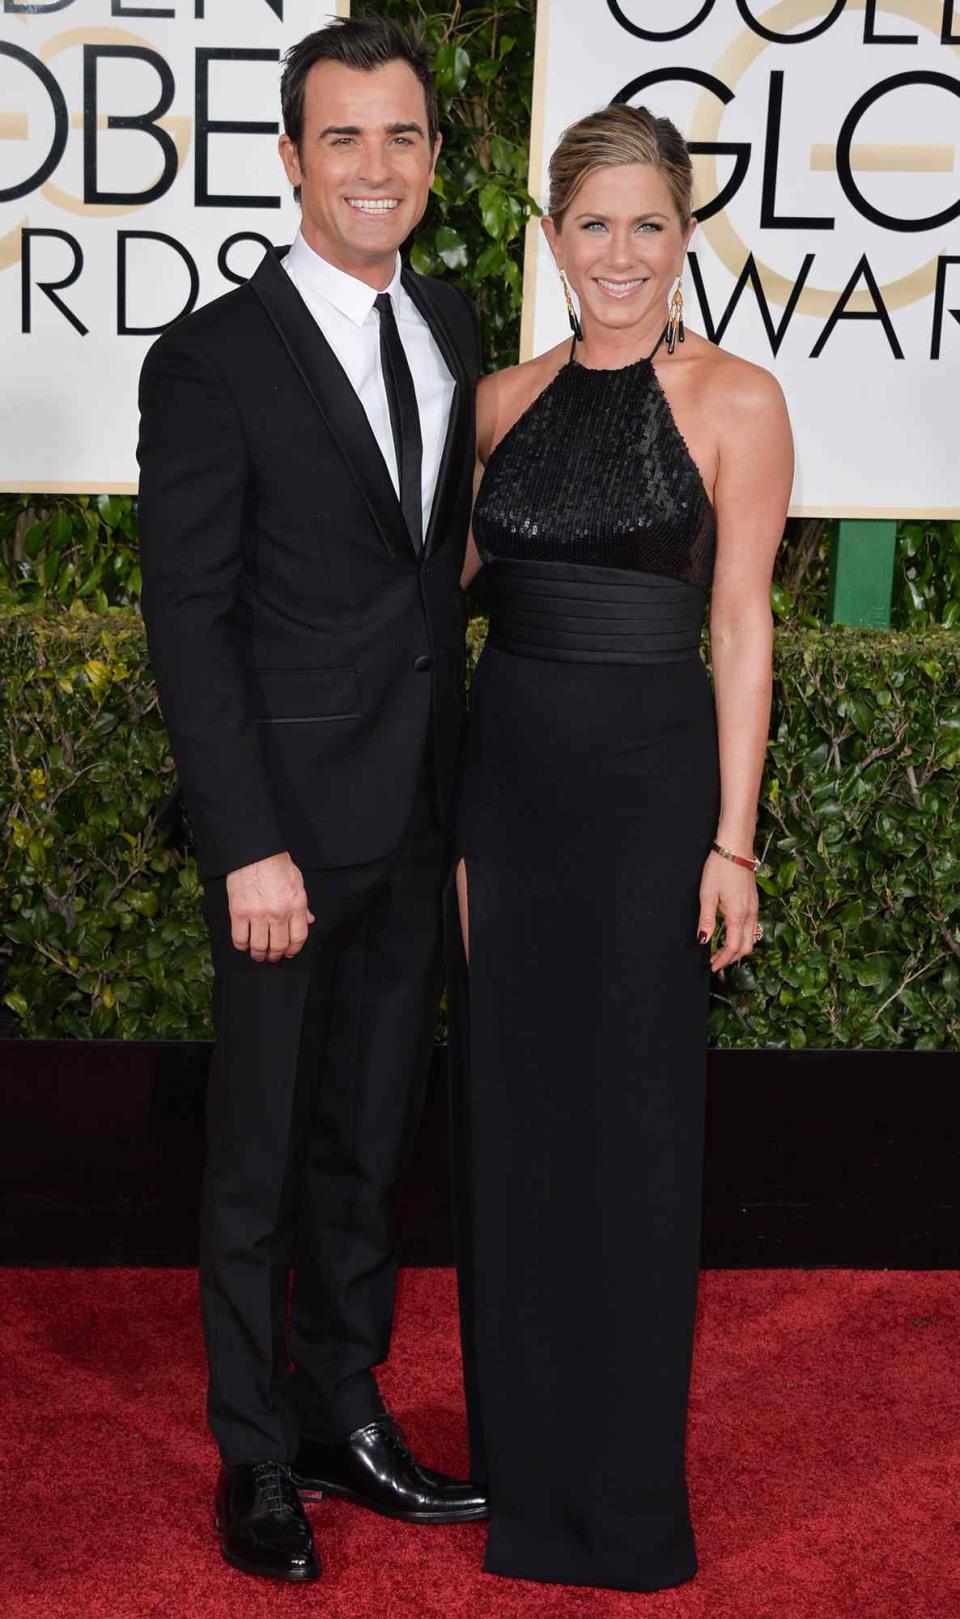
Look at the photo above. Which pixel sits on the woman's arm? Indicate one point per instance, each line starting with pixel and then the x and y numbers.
pixel 487 392
pixel 751 497
pixel 472 562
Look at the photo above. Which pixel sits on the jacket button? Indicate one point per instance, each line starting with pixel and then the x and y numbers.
pixel 423 662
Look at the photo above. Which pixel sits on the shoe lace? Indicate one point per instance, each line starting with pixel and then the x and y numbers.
pixel 274 1487
pixel 394 1435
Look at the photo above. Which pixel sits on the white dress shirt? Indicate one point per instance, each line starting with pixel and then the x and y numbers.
pixel 343 309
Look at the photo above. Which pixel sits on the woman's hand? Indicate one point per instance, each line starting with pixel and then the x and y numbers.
pixel 733 890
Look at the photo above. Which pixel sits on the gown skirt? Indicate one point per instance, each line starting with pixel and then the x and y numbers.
pixel 589 799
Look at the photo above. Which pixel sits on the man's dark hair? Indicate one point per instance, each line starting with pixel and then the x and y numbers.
pixel 358 42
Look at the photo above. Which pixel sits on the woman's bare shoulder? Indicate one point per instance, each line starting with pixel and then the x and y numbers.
pixel 735 385
pixel 746 409
pixel 504 395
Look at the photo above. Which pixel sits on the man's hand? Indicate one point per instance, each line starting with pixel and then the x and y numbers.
pixel 268 908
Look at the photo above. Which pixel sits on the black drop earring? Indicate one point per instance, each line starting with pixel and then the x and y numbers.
pixel 675 317
pixel 572 315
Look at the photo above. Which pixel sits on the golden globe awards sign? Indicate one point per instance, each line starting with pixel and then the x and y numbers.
pixel 825 136
pixel 139 177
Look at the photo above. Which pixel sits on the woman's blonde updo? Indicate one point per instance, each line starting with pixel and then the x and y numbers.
pixel 613 137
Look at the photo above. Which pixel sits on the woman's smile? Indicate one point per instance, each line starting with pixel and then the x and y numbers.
pixel 620 289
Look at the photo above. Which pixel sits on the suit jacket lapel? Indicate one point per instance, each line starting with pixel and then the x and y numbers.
pixel 455 442
pixel 334 396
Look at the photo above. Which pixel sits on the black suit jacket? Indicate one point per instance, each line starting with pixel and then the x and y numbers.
pixel 305 653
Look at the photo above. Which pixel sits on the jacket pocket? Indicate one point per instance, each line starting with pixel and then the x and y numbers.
pixel 304 696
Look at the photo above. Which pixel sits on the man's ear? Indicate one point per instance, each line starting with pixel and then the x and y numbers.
pixel 290 158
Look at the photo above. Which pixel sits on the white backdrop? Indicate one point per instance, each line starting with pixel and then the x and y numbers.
pixel 68 383
pixel 877 435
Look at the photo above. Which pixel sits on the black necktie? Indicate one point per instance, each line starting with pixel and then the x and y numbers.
pixel 404 416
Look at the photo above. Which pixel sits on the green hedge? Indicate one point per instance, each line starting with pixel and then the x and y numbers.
pixel 859 823
pixel 84 548
pixel 859 819
pixel 99 912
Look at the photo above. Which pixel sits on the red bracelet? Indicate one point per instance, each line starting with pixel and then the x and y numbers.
pixel 750 862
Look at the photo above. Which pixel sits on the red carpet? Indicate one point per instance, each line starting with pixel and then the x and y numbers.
pixel 824 1459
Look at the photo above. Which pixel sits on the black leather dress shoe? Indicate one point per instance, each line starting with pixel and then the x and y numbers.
pixel 262 1524
pixel 374 1468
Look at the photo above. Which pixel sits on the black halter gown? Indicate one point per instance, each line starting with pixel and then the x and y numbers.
pixel 589 800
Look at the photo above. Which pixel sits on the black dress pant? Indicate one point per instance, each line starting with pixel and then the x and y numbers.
pixel 315 1093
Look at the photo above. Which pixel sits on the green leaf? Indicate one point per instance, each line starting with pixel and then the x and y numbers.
pixel 874 972
pixel 851 914
pixel 110 510
pixel 786 875
pixel 491 261
pixel 421 258
pixel 451 66
pixel 494 209
pixel 781 601
pixel 59 528
pixel 451 247
pixel 144 902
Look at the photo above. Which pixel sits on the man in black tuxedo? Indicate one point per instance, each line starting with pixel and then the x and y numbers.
pixel 306 450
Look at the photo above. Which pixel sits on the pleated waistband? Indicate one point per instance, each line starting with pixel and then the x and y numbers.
pixel 574 613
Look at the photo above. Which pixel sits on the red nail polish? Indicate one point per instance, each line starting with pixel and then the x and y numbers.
pixel 702 937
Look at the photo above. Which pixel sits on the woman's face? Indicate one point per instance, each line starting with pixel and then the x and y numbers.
pixel 621 244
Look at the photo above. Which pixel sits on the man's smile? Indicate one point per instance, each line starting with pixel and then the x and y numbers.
pixel 373 205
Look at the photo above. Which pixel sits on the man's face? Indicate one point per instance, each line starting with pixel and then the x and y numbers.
pixel 364 166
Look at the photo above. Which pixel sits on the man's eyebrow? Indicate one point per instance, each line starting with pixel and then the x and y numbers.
pixel 354 129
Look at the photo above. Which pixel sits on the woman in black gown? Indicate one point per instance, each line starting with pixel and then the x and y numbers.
pixel 624 474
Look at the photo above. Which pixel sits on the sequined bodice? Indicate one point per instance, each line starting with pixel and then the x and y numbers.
pixel 595 471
